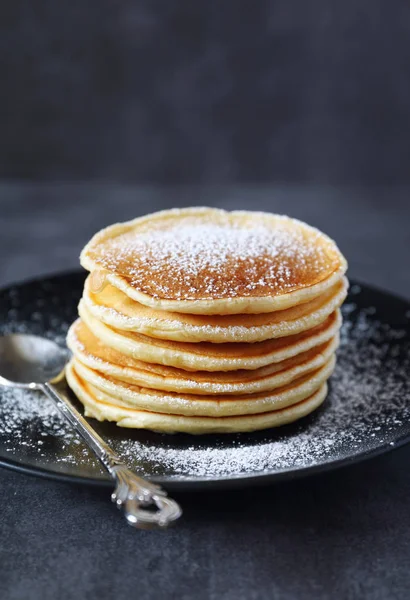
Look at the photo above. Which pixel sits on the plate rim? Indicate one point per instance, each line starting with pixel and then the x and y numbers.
pixel 239 480
pixel 236 481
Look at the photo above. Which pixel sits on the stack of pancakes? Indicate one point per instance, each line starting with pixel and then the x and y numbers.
pixel 201 320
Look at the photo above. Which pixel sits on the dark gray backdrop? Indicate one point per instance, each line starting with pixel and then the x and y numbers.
pixel 206 90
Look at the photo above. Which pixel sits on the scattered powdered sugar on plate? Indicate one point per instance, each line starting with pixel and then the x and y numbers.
pixel 368 407
pixel 20 408
pixel 368 403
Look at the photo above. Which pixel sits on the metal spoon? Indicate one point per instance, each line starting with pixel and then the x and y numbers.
pixel 31 362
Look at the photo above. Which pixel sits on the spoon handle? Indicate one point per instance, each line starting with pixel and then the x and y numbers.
pixel 132 493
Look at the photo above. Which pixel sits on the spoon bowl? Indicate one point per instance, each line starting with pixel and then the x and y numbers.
pixel 28 361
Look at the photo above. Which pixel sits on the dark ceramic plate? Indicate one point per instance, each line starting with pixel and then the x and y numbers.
pixel 367 411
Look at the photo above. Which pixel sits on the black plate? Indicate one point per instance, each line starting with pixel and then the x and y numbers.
pixel 366 413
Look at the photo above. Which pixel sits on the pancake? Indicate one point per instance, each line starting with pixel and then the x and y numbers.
pixel 203 356
pixel 89 351
pixel 201 320
pixel 105 408
pixel 208 261
pixel 215 405
pixel 116 309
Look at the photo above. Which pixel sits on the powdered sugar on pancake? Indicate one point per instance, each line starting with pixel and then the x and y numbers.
pixel 194 259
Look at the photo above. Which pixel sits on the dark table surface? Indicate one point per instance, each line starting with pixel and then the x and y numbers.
pixel 344 534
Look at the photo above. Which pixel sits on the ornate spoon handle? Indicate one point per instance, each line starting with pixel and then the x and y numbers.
pixel 135 495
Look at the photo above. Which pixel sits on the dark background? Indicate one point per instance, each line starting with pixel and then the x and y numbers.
pixel 294 106
pixel 206 91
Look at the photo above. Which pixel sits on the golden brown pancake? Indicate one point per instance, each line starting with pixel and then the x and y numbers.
pixel 104 407
pixel 88 350
pixel 210 261
pixel 117 310
pixel 203 356
pixel 214 405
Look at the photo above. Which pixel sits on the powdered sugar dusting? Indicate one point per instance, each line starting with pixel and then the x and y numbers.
pixel 192 260
pixel 368 403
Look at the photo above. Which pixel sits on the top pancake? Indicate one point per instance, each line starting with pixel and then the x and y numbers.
pixel 210 261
